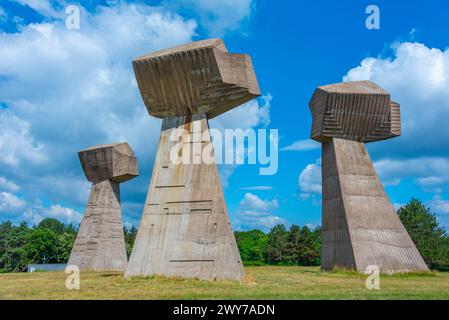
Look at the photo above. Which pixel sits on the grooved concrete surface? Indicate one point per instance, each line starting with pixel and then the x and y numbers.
pixel 199 77
pixel 359 110
pixel 185 229
pixel 100 242
pixel 360 226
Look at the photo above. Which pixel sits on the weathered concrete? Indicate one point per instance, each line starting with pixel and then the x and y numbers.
pixel 100 243
pixel 358 111
pixel 185 229
pixel 360 226
pixel 199 77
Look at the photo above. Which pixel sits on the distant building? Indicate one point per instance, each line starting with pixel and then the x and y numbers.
pixel 46 267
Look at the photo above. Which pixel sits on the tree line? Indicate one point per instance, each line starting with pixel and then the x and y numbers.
pixel 302 246
pixel 51 241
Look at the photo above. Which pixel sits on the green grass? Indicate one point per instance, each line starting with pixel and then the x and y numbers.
pixel 260 283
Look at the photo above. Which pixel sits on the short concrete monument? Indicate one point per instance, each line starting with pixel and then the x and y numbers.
pixel 360 226
pixel 100 243
pixel 185 229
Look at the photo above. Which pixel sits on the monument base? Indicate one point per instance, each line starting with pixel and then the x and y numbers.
pixel 100 243
pixel 360 226
pixel 185 230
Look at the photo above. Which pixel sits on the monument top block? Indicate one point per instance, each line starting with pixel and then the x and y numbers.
pixel 359 111
pixel 199 77
pixel 114 162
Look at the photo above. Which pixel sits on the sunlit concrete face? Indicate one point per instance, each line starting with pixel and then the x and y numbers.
pixel 185 229
pixel 100 243
pixel 360 226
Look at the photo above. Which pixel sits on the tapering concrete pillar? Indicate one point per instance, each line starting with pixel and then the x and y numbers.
pixel 100 243
pixel 360 226
pixel 185 229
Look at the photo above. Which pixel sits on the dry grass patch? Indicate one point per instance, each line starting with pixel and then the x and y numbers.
pixel 259 283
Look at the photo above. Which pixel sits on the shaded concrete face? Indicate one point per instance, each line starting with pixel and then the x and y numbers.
pixel 360 111
pixel 100 242
pixel 185 229
pixel 199 77
pixel 114 162
pixel 360 226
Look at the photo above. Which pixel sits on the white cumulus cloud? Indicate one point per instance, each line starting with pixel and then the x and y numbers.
pixel 9 201
pixel 64 90
pixel 5 184
pixel 428 172
pixel 67 90
pixel 255 213
pixel 439 205
pixel 417 77
pixel 309 180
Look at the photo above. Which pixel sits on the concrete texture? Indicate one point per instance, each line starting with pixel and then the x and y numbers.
pixel 360 226
pixel 100 243
pixel 359 111
pixel 185 229
pixel 199 77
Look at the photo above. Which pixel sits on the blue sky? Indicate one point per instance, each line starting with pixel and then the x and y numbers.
pixel 63 90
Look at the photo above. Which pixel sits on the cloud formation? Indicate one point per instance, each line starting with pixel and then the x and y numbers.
pixel 417 76
pixel 309 181
pixel 302 145
pixel 64 90
pixel 255 213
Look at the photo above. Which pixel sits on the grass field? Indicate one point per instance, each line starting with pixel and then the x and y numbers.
pixel 260 283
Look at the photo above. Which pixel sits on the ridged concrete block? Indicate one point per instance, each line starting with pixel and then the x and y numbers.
pixel 199 77
pixel 100 242
pixel 185 230
pixel 360 226
pixel 359 110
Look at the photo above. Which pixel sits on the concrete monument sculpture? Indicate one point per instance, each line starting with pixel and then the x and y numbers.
pixel 185 229
pixel 360 226
pixel 100 243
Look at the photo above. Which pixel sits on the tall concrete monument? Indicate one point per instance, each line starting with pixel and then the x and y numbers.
pixel 100 243
pixel 360 226
pixel 185 229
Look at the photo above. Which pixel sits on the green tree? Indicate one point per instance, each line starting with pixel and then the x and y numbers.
pixel 252 246
pixel 52 224
pixel 14 258
pixel 5 228
pixel 277 244
pixel 130 237
pixel 42 246
pixel 65 245
pixel 303 247
pixel 423 228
